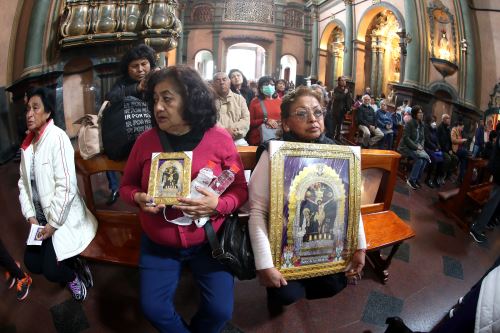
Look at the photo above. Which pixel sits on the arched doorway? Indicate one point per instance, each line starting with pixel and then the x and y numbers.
pixel 247 57
pixel 204 64
pixel 335 58
pixel 288 68
pixel 383 53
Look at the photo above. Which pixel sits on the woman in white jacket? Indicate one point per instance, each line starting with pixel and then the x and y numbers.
pixel 49 197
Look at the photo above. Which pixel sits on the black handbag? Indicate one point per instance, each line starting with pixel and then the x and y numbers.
pixel 121 125
pixel 233 248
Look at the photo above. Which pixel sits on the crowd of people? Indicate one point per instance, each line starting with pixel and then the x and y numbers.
pixel 209 119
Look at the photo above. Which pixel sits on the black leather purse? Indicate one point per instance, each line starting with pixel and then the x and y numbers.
pixel 232 248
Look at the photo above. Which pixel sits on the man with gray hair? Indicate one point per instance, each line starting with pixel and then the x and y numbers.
pixel 367 123
pixel 232 110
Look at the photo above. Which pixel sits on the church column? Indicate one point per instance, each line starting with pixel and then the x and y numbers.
pixel 36 31
pixel 279 51
pixel 348 39
pixel 380 70
pixel 215 43
pixel 315 43
pixel 179 52
pixel 374 65
pixel 333 54
pixel 470 56
pixel 412 63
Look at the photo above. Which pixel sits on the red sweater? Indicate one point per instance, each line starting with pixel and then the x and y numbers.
pixel 216 146
pixel 257 117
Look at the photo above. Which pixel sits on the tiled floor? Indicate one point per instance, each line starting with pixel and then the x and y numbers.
pixel 428 274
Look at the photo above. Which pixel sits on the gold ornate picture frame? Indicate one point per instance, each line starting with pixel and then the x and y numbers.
pixel 170 177
pixel 314 208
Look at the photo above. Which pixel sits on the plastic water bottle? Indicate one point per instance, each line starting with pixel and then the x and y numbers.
pixel 203 180
pixel 225 179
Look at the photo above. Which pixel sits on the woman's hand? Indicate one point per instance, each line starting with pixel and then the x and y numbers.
pixel 33 220
pixel 271 277
pixel 200 207
pixel 47 231
pixel 357 264
pixel 272 123
pixel 145 202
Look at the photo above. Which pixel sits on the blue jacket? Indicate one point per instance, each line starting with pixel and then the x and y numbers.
pixel 479 141
pixel 383 118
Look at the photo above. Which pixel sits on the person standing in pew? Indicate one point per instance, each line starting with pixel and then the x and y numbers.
pixel 491 207
pixel 185 116
pixel 458 145
pixel 302 121
pixel 49 197
pixel 412 146
pixel 135 65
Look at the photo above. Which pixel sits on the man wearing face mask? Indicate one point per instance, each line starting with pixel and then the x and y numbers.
pixel 433 149
pixel 264 111
pixel 367 123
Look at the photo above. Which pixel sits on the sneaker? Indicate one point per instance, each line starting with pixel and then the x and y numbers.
pixel 479 237
pixel 83 271
pixel 23 287
pixel 10 281
pixel 78 289
pixel 411 184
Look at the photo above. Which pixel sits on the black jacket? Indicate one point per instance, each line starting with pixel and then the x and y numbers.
pixel 125 86
pixel 366 116
pixel 444 137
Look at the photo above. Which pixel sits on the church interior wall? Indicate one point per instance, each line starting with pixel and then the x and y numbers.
pixel 199 39
pixel 489 47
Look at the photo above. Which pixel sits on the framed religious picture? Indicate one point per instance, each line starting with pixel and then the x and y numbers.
pixel 314 208
pixel 170 177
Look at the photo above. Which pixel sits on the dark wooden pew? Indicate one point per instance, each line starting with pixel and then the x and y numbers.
pixel 459 203
pixel 118 235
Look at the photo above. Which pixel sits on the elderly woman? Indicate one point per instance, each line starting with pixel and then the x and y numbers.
pixel 49 198
pixel 184 112
pixel 384 122
pixel 264 110
pixel 302 121
pixel 412 146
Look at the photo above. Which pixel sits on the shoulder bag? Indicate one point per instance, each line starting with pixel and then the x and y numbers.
pixel 89 134
pixel 232 247
pixel 266 133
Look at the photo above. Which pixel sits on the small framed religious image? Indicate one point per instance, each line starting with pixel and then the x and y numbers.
pixel 314 208
pixel 170 177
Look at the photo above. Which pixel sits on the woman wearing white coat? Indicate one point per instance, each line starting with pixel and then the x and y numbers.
pixel 49 197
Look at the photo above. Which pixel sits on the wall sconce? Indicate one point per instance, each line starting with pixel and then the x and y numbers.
pixel 463 45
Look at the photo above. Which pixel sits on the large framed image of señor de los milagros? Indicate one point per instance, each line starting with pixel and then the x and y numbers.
pixel 315 207
pixel 170 176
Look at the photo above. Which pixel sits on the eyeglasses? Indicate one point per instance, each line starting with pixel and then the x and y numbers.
pixel 303 114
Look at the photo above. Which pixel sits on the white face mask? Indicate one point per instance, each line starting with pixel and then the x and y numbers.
pixel 433 125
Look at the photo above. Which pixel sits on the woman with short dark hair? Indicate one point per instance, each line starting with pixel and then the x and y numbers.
pixel 302 118
pixel 184 114
pixel 412 146
pixel 264 109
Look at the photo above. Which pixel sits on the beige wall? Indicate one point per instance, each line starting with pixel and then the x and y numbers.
pixel 8 10
pixel 489 43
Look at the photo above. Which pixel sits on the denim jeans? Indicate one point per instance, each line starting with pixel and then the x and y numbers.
pixel 160 270
pixel 112 180
pixel 418 167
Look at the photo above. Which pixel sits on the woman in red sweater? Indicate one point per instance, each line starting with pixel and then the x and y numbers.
pixel 257 116
pixel 183 109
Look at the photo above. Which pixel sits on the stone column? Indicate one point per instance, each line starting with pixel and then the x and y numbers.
pixel 470 55
pixel 36 31
pixel 413 62
pixel 348 38
pixel 315 43
pixel 215 51
pixel 374 66
pixel 380 71
pixel 333 55
pixel 279 51
pixel 402 58
pixel 182 43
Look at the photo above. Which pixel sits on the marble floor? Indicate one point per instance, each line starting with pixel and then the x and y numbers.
pixel 427 276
